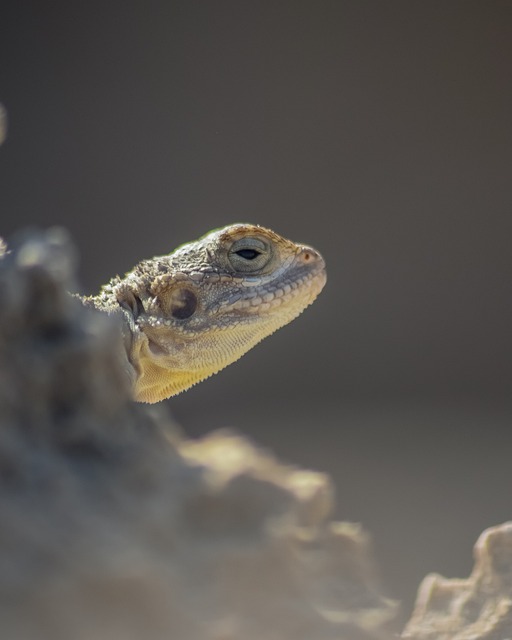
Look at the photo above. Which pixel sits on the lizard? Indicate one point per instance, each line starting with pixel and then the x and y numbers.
pixel 189 314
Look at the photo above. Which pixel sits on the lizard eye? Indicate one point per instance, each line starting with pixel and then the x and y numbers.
pixel 249 255
pixel 183 303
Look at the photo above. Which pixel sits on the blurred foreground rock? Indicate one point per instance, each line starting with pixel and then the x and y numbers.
pixel 113 527
pixel 479 608
pixel 3 124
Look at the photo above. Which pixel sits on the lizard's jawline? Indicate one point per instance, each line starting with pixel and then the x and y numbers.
pixel 155 348
pixel 252 306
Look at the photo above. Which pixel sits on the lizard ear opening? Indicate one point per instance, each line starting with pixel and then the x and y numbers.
pixel 183 303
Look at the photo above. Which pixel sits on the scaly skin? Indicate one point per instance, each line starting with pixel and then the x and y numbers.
pixel 189 314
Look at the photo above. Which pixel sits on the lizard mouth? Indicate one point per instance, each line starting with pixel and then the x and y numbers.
pixel 294 290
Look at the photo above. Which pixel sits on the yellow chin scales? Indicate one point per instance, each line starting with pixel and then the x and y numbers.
pixel 157 383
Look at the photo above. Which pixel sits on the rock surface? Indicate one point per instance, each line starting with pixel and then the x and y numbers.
pixel 479 608
pixel 112 526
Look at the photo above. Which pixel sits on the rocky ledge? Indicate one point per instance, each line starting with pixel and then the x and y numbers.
pixel 112 525
pixel 478 608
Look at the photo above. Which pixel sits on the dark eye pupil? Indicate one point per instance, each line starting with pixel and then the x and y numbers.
pixel 183 303
pixel 248 254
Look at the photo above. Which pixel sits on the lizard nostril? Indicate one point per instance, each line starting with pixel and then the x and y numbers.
pixel 309 255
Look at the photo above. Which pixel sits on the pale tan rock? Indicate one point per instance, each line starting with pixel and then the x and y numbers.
pixel 113 527
pixel 477 608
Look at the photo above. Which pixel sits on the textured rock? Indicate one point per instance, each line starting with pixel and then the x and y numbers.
pixel 478 608
pixel 112 526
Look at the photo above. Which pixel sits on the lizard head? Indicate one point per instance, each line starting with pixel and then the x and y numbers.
pixel 193 312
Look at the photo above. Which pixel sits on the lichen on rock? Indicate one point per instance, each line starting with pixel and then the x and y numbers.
pixel 114 526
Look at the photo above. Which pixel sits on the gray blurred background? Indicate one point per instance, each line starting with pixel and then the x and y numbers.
pixel 381 133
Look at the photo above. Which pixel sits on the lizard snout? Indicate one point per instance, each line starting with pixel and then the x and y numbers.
pixel 310 256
